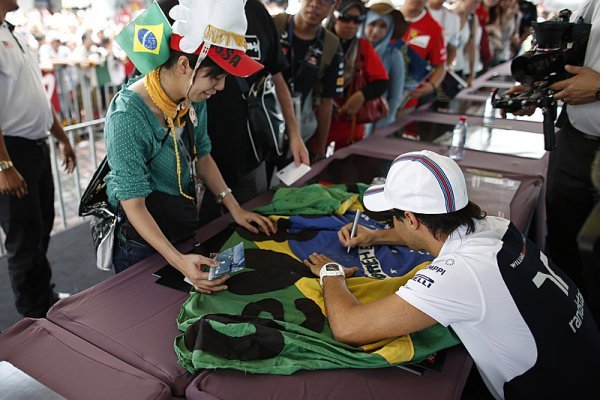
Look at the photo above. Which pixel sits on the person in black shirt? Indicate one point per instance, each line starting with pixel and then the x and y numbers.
pixel 228 116
pixel 307 45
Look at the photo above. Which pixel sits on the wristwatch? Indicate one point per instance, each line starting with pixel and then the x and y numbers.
pixel 330 269
pixel 598 94
pixel 5 165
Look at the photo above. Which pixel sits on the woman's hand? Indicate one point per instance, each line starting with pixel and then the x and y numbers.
pixel 191 266
pixel 353 104
pixel 364 236
pixel 316 261
pixel 245 218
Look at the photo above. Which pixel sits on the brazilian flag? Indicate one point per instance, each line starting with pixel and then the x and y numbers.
pixel 146 39
pixel 272 317
pixel 272 320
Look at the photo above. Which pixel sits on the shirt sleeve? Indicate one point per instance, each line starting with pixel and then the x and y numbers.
pixel 128 148
pixel 446 290
pixel 276 60
pixel 203 143
pixel 437 54
pixel 333 80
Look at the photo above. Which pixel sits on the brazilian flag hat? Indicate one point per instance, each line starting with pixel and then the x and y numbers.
pixel 209 28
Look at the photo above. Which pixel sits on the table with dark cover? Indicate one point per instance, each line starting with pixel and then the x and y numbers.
pixel 132 318
pixel 72 367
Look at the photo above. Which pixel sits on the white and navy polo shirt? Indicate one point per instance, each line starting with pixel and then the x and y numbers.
pixel 24 107
pixel 520 317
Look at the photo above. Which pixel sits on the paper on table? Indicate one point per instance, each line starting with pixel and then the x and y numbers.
pixel 291 173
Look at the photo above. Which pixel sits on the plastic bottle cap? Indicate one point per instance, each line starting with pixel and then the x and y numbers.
pixel 462 118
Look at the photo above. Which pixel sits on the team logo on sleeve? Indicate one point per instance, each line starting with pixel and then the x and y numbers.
pixel 147 38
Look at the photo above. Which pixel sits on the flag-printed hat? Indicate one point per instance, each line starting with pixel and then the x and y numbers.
pixel 214 28
pixel 423 182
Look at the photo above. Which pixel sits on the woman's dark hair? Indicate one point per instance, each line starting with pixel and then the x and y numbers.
pixel 442 225
pixel 213 70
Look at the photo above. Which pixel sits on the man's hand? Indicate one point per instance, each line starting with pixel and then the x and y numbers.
pixel 191 266
pixel 12 183
pixel 316 261
pixel 299 150
pixel 529 110
pixel 423 89
pixel 364 236
pixel 68 156
pixel 579 89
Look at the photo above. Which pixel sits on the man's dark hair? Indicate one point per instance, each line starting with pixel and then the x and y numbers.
pixel 213 69
pixel 442 225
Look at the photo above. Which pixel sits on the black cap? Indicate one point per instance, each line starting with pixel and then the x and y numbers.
pixel 347 4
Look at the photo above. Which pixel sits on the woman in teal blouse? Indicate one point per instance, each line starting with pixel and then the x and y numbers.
pixel 158 150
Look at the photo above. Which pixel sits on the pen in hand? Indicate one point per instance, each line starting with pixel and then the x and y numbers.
pixel 354 227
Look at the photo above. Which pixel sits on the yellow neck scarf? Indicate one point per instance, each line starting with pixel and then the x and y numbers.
pixel 174 116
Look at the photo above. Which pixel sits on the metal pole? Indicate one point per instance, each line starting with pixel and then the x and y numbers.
pixel 57 184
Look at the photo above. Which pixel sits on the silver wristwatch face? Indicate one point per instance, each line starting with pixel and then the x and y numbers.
pixel 4 166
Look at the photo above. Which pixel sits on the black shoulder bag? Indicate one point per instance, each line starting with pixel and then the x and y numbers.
pixel 265 124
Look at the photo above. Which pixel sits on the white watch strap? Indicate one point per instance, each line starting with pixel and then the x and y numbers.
pixel 330 269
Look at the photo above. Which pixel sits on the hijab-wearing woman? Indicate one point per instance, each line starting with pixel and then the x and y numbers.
pixel 345 24
pixel 157 145
pixel 384 23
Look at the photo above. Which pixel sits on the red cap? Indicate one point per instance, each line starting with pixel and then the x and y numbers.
pixel 462 118
pixel 234 61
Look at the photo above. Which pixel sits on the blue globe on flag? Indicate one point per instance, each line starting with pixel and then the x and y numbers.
pixel 147 39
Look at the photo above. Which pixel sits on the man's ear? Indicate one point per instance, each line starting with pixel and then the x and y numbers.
pixel 412 220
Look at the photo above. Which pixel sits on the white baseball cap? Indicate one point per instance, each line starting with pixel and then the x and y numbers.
pixel 422 182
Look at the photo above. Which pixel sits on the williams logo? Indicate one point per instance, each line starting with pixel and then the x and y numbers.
pixel 148 38
pixel 423 280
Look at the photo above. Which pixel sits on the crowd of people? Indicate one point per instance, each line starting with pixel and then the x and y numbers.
pixel 340 68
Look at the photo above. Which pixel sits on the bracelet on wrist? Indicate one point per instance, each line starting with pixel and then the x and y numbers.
pixel 221 196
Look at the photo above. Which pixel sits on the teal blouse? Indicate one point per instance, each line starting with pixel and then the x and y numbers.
pixel 141 160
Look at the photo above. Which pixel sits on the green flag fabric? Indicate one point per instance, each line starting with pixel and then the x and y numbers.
pixel 272 320
pixel 146 39
pixel 315 199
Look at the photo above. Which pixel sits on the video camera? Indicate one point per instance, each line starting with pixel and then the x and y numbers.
pixel 558 42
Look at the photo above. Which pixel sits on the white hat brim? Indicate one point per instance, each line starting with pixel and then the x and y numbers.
pixel 374 199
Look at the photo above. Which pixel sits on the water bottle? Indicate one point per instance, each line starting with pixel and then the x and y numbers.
pixel 489 114
pixel 459 137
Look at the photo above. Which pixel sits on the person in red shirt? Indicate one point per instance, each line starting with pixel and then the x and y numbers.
pixel 426 38
pixel 347 19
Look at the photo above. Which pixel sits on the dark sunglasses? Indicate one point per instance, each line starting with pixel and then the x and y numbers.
pixel 357 19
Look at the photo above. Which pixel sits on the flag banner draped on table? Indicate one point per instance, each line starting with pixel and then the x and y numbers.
pixel 146 39
pixel 272 317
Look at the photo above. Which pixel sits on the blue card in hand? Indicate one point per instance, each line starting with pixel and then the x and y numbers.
pixel 231 260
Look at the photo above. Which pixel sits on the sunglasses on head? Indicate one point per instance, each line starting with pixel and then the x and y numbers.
pixel 357 19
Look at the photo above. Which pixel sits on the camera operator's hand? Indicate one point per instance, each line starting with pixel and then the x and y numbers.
pixel 529 110
pixel 579 89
